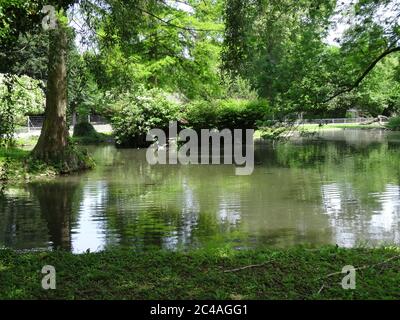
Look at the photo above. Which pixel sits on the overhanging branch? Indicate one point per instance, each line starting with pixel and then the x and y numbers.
pixel 365 73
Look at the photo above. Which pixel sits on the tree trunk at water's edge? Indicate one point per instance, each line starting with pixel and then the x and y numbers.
pixel 54 136
pixel 53 144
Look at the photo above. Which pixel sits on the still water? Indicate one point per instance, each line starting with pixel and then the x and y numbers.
pixel 342 187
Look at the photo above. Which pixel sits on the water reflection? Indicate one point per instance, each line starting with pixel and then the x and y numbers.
pixel 89 229
pixel 56 207
pixel 340 188
pixel 355 222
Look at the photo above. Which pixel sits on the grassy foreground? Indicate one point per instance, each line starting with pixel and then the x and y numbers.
pixel 297 273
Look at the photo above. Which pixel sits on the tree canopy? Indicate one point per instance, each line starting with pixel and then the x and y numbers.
pixel 206 50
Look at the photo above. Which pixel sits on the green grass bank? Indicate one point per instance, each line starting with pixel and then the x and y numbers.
pixel 16 166
pixel 296 273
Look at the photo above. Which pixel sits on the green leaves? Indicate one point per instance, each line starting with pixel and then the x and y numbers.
pixel 160 44
pixel 226 114
pixel 394 123
pixel 275 45
pixel 137 113
pixel 19 96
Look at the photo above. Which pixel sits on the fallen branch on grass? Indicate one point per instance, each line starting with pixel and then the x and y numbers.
pixel 366 266
pixel 247 267
pixel 359 268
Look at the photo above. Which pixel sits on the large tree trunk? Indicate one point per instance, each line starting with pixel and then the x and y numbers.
pixel 53 145
pixel 53 139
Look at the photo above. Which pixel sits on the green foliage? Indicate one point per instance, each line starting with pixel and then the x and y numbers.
pixel 17 166
pixel 27 95
pixel 85 133
pixel 71 159
pixel 147 42
pixel 201 114
pixel 136 113
pixel 7 125
pixel 26 56
pixel 226 114
pixel 84 129
pixel 380 92
pixel 237 88
pixel 21 96
pixel 84 94
pixel 241 114
pixel 17 16
pixel 394 123
pixel 214 54
pixel 281 48
pixel 275 44
pixel 4 174
pixel 74 159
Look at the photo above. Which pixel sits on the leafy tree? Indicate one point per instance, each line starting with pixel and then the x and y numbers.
pixel 26 96
pixel 275 44
pixel 143 42
pixel 373 35
pixel 21 18
pixel 84 95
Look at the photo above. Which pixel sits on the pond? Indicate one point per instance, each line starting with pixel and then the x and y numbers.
pixel 342 187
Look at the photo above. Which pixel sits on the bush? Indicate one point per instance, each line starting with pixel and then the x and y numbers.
pixel 201 115
pixel 241 114
pixel 84 129
pixel 85 133
pixel 226 114
pixel 136 114
pixel 394 123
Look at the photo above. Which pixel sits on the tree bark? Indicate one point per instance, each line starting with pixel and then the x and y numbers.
pixel 54 137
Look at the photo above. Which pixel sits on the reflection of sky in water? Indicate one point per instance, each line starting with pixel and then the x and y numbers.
pixel 189 214
pixel 229 209
pixel 334 197
pixel 386 221
pixel 88 233
pixel 374 226
pixel 331 199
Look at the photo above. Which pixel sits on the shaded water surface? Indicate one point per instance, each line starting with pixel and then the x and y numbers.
pixel 342 188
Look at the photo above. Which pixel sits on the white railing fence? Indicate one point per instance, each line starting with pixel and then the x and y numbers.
pixel 338 120
pixel 96 119
pixel 35 123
